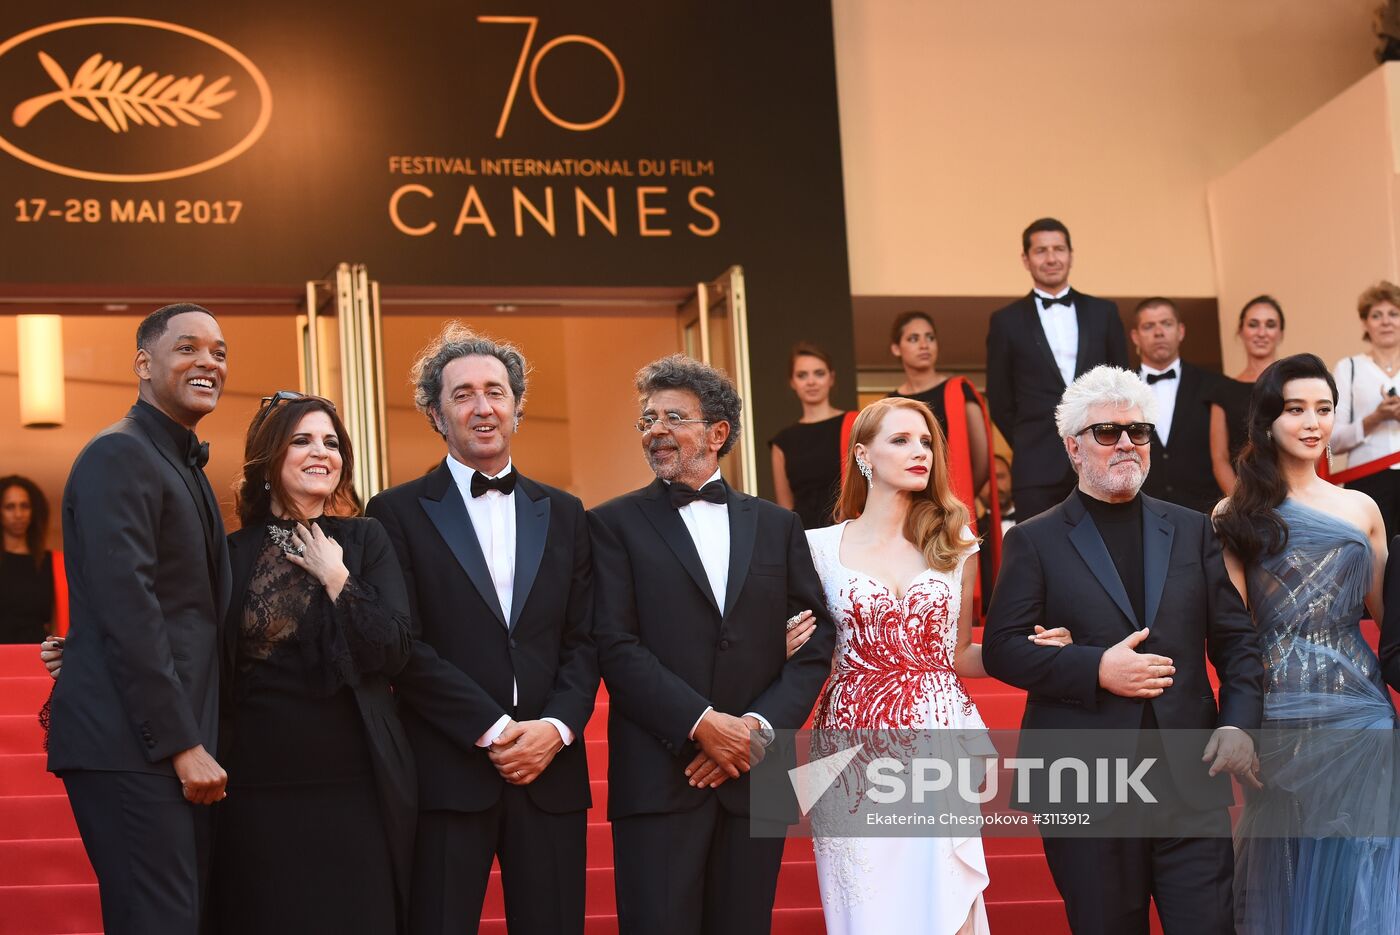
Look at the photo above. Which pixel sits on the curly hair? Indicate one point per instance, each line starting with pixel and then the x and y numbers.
pixel 457 340
pixel 35 537
pixel 719 402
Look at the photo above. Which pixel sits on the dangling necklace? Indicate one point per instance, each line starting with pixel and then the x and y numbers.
pixel 1389 369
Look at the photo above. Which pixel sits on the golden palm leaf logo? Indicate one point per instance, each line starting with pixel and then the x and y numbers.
pixel 107 92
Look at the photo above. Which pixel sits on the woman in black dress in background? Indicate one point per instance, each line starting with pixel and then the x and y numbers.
pixel 317 832
pixel 914 341
pixel 1260 330
pixel 26 567
pixel 807 455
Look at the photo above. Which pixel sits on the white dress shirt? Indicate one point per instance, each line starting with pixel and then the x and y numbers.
pixel 1061 326
pixel 1361 385
pixel 708 525
pixel 493 520
pixel 1165 391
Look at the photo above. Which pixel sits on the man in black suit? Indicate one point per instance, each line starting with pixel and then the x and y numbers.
pixel 1181 441
pixel 694 582
pixel 503 674
pixel 1142 587
pixel 1036 346
pixel 134 719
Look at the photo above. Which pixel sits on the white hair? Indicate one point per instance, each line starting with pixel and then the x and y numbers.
pixel 1104 385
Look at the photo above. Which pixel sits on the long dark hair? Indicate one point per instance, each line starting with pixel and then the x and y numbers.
pixel 38 531
pixel 1249 525
pixel 269 437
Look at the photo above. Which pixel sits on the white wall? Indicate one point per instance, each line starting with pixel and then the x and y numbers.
pixel 962 121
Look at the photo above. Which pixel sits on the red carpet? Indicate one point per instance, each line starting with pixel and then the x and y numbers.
pixel 47 886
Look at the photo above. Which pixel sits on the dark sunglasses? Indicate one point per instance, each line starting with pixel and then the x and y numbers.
pixel 269 403
pixel 1108 433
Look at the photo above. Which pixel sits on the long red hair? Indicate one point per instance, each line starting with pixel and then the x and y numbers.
pixel 937 518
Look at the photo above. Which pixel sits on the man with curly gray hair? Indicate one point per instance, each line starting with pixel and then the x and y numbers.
pixel 503 673
pixel 1141 585
pixel 695 582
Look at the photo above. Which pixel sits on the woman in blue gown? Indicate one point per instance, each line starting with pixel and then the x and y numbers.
pixel 1311 855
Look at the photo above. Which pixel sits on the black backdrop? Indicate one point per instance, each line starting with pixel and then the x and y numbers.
pixel 729 107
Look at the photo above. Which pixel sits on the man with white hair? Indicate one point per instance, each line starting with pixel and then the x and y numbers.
pixel 1142 587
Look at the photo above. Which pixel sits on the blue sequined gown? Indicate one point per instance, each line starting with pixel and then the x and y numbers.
pixel 1339 771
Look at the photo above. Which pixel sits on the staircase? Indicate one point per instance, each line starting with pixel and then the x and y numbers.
pixel 46 883
pixel 47 886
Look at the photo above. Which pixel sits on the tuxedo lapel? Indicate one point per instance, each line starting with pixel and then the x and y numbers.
pixel 1084 353
pixel 668 524
pixel 165 445
pixel 448 513
pixel 1157 536
pixel 1087 541
pixel 531 532
pixel 1185 398
pixel 743 529
pixel 1030 321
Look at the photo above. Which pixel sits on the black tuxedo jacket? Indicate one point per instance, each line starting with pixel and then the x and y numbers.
pixel 1181 471
pixel 1024 384
pixel 668 650
pixel 147 591
pixel 458 679
pixel 370 559
pixel 1056 572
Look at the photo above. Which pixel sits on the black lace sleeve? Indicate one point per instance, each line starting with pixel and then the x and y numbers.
pixel 366 629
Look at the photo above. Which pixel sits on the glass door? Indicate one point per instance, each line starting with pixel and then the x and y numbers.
pixel 714 328
pixel 341 358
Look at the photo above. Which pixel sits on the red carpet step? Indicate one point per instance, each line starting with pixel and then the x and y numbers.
pixel 47 888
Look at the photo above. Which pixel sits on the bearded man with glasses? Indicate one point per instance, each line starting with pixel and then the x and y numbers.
pixel 694 585
pixel 1142 586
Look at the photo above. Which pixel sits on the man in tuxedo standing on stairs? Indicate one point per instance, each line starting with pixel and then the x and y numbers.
pixel 1181 469
pixel 694 583
pixel 503 674
pixel 1036 346
pixel 135 716
pixel 1141 585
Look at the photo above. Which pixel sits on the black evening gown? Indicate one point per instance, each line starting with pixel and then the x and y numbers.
pixel 812 456
pixel 299 843
pixel 26 597
pixel 1233 397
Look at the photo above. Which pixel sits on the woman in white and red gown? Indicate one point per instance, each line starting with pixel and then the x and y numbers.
pixel 898 581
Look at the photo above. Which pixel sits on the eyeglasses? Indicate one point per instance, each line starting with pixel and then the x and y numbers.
pixel 672 421
pixel 269 403
pixel 1108 433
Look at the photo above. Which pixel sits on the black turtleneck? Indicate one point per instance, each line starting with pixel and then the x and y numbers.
pixel 1120 526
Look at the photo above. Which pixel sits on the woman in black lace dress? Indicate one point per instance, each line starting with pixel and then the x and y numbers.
pixel 316 833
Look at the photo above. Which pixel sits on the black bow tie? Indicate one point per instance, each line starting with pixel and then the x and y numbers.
pixel 197 455
pixel 1066 300
pixel 481 483
pixel 684 494
pixel 1166 375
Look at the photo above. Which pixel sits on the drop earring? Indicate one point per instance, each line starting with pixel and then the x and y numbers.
pixel 267 485
pixel 865 470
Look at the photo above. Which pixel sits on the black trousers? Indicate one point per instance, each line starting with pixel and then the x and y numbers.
pixel 148 846
pixel 1032 501
pixel 695 873
pixel 1107 882
pixel 1384 488
pixel 543 868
